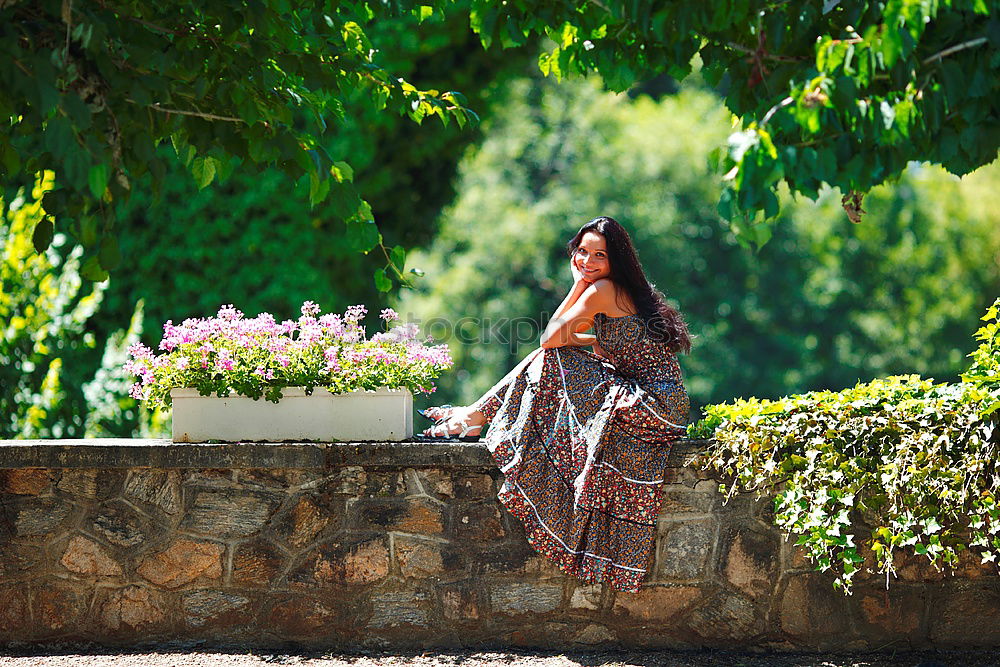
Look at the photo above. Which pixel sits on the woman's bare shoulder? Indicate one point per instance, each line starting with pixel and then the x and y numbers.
pixel 614 301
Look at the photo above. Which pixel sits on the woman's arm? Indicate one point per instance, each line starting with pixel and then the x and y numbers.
pixel 564 328
pixel 579 286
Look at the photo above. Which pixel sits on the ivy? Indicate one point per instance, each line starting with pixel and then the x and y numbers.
pixel 897 463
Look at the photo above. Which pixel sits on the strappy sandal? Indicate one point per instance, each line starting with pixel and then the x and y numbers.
pixel 451 437
pixel 423 413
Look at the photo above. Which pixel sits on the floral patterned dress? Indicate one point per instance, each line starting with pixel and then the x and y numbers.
pixel 583 445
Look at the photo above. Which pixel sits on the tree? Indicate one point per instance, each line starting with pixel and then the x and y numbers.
pixel 838 93
pixel 91 90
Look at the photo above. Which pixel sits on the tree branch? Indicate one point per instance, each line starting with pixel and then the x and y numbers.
pixel 955 49
pixel 182 112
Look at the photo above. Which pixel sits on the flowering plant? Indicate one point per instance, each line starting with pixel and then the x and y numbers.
pixel 258 356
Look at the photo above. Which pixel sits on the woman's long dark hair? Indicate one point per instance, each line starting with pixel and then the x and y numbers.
pixel 663 322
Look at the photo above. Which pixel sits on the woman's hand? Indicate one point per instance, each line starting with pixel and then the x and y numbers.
pixel 578 277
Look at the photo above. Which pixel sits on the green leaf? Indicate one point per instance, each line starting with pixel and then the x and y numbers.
pixel 97 178
pixel 203 170
pixel 342 172
pixel 382 282
pixel 42 236
pixel 109 255
pixel 92 270
pixel 59 136
pixel 398 256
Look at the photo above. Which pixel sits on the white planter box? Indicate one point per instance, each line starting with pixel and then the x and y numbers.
pixel 382 414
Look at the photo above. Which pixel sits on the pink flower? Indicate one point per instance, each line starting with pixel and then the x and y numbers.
pixel 229 313
pixel 388 314
pixel 309 308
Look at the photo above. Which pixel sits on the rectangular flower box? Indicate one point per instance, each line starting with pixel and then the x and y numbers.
pixel 382 414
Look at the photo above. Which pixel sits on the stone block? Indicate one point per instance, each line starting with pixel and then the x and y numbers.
pixel 525 598
pixel 159 488
pixel 349 482
pixel 350 560
pixel 302 523
pixel 593 635
pixel 229 513
pixel 383 484
pixel 419 558
pixel 40 516
pixel 20 555
pixel 257 563
pixel 729 617
pixel 415 515
pixel 305 618
pixel 132 608
pixel 683 475
pixel 56 605
pixel 13 612
pixel 216 609
pixel 684 550
pixel 216 478
pixel 271 478
pixel 750 559
pixel 461 602
pixel 119 524
pixel 586 597
pixel 477 522
pixel 971 566
pixel 511 557
pixel 184 561
pixel 437 483
pixel 400 608
pixel 811 609
pixel 90 483
pixel 25 481
pixel 883 614
pixel 657 604
pixel 688 502
pixel 474 487
pixel 965 614
pixel 86 557
pixel 911 566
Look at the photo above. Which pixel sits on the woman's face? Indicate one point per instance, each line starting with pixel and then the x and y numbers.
pixel 591 257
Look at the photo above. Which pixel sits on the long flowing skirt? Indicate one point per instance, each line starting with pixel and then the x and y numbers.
pixel 583 451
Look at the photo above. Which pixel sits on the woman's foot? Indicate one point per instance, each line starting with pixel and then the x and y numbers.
pixel 438 413
pixel 449 428
pixel 461 421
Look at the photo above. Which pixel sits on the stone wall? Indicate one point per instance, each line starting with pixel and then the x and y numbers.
pixel 405 545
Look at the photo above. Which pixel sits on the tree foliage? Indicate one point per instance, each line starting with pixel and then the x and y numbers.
pixel 44 306
pixel 838 93
pixel 91 90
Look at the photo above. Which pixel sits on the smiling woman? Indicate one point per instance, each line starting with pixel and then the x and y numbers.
pixel 582 437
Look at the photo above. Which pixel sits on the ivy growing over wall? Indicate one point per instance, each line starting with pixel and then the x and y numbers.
pixel 898 463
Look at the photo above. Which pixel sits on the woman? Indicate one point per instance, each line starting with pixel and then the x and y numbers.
pixel 582 437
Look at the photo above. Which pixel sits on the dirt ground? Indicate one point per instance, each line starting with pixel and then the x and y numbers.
pixel 198 657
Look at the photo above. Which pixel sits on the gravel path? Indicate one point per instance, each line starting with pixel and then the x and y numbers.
pixel 59 657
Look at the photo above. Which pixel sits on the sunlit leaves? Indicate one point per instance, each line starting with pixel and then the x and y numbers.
pixel 875 85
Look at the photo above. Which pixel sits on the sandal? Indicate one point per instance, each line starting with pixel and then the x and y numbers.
pixel 423 413
pixel 450 437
